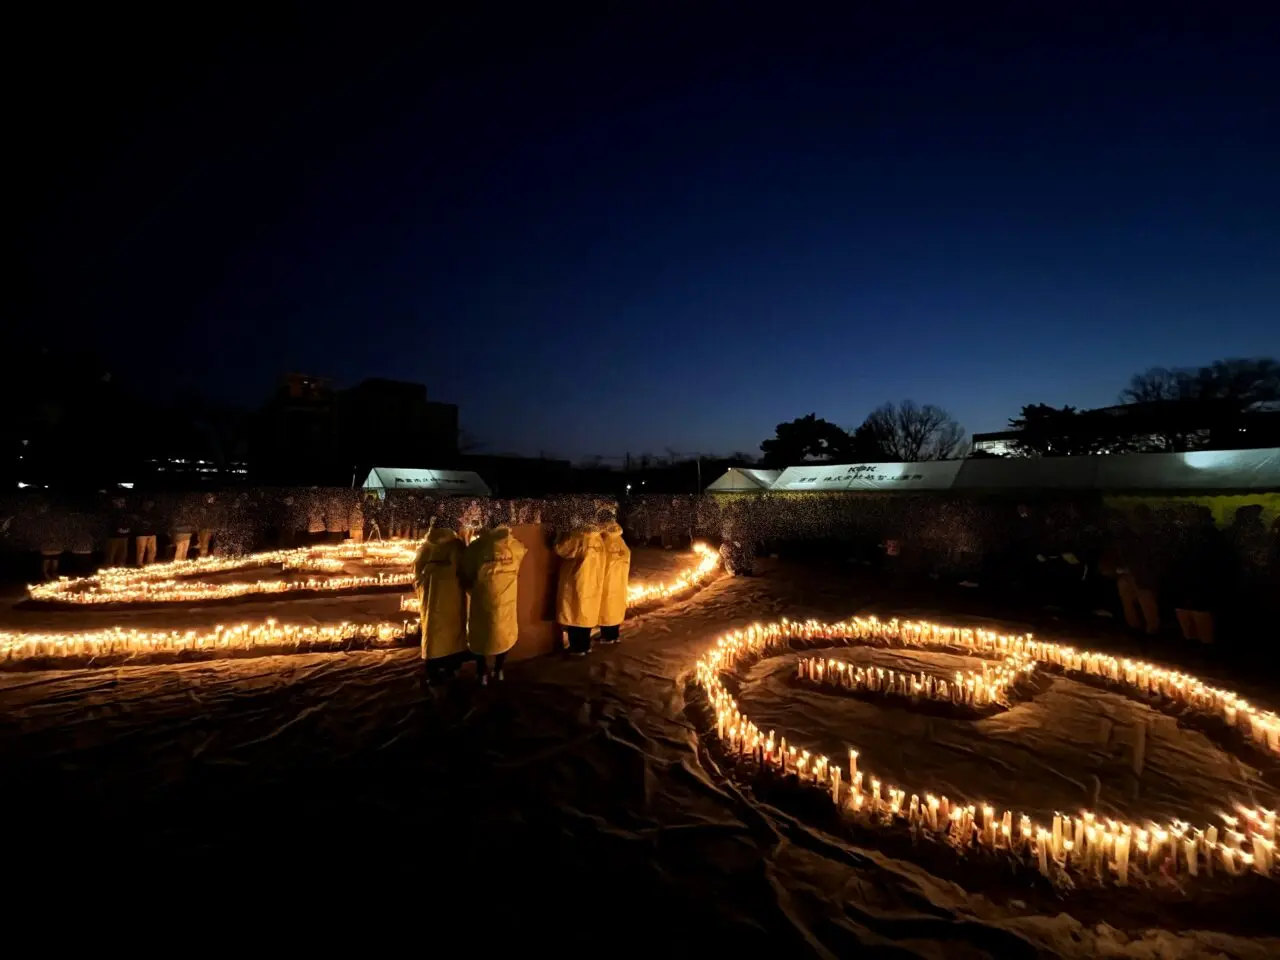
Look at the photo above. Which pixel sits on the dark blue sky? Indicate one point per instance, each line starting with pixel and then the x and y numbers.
pixel 660 230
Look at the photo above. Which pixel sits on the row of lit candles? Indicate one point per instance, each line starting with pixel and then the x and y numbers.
pixel 177 581
pixel 1085 843
pixel 991 687
pixel 265 635
pixel 705 564
pixel 1144 679
pixel 269 633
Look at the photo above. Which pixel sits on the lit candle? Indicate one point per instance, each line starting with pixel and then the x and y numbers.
pixel 1122 859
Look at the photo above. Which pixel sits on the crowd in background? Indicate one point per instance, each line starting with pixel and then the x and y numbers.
pixel 1155 564
pixel 43 535
pixel 1160 566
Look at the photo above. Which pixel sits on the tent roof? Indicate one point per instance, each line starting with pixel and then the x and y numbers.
pixel 1218 470
pixel 1196 470
pixel 1028 473
pixel 744 479
pixel 460 482
pixel 892 477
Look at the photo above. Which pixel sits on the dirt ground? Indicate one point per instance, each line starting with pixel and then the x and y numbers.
pixel 575 807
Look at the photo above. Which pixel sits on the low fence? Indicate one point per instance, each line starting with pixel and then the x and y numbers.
pixel 241 520
pixel 1167 543
pixel 1196 552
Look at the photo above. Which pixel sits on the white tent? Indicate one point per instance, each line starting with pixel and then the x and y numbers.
pixel 462 483
pixel 891 477
pixel 1028 473
pixel 1196 470
pixel 744 480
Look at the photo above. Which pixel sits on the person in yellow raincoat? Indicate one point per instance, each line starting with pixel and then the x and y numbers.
pixel 490 571
pixel 581 584
pixel 617 574
pixel 442 602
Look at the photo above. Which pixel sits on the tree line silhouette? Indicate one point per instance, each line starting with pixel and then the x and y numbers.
pixel 1224 405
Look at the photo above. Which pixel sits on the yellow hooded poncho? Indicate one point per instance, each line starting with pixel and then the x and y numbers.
pixel 617 574
pixel 443 604
pixel 581 581
pixel 490 571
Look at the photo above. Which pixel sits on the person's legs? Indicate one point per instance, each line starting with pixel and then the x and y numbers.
pixel 1128 591
pixel 117 552
pixel 181 543
pixel 579 640
pixel 610 634
pixel 1150 609
pixel 146 550
pixel 49 566
pixel 203 540
pixel 442 669
pixel 498 662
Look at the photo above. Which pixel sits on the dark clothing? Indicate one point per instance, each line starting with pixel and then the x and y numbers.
pixel 1138 556
pixel 117 552
pixel 610 634
pixel 122 523
pixel 441 669
pixel 1200 569
pixel 579 639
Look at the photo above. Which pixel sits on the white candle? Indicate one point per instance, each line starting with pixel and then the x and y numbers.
pixel 1262 854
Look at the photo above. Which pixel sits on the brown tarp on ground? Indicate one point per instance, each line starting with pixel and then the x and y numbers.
pixel 574 808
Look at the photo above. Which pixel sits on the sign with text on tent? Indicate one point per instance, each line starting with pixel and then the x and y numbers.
pixel 888 477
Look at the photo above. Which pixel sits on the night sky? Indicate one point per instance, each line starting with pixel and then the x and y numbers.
pixel 660 230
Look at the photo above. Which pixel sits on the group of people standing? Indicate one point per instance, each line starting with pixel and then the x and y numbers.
pixel 595 568
pixel 449 572
pixel 467 583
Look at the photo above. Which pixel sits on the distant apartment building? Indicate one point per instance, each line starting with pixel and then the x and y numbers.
pixel 311 433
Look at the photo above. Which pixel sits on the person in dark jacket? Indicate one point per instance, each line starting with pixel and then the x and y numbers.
pixel 1199 572
pixel 1138 572
pixel 121 531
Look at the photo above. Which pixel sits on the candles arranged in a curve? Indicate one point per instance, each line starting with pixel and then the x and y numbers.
pixel 1076 844
pixel 994 687
pixel 265 635
pixel 178 582
pixel 156 583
